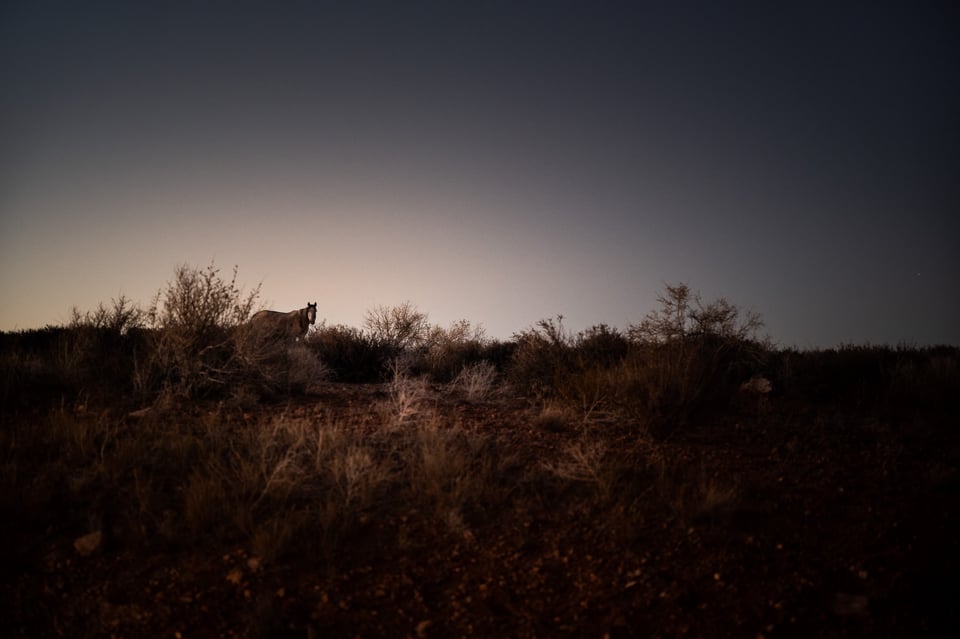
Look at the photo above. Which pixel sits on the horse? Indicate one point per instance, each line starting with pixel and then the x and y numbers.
pixel 293 324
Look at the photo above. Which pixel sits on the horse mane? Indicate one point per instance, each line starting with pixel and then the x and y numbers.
pixel 304 321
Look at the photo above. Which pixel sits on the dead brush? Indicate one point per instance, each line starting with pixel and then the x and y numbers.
pixel 475 380
pixel 247 471
pixel 694 494
pixel 447 469
pixel 555 417
pixel 329 475
pixel 277 534
pixel 585 461
pixel 305 370
pixel 406 395
pixel 359 471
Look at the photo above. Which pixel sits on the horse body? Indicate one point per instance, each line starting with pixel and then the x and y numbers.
pixel 293 324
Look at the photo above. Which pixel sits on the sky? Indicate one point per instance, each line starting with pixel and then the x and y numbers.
pixel 501 162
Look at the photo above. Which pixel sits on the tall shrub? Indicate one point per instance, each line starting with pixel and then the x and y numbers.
pixel 194 321
pixel 688 355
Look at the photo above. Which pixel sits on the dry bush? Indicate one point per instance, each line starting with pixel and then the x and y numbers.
pixel 206 503
pixel 448 350
pixel 889 382
pixel 601 346
pixel 448 470
pixel 351 354
pixel 357 474
pixel 681 360
pixel 585 461
pixel 929 378
pixel 285 480
pixel 549 362
pixel 242 476
pixel 122 316
pixel 696 495
pixel 407 395
pixel 685 358
pixel 352 466
pixel 555 417
pixel 475 380
pixel 95 353
pixel 400 327
pixel 304 369
pixel 29 372
pixel 543 358
pixel 195 349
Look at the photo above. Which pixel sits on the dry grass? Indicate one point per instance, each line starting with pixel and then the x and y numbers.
pixel 407 396
pixel 556 417
pixel 693 494
pixel 585 461
pixel 447 469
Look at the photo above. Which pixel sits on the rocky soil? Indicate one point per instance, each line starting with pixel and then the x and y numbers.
pixel 772 521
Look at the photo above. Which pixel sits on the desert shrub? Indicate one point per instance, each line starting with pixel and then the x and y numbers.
pixel 400 327
pixel 403 333
pixel 106 343
pixel 686 357
pixel 550 363
pixel 94 354
pixel 196 345
pixel 864 377
pixel 28 367
pixel 449 472
pixel 601 346
pixel 350 354
pixel 927 380
pixel 584 461
pixel 407 394
pixel 498 353
pixel 851 374
pixel 447 351
pixel 543 358
pixel 475 380
pixel 304 368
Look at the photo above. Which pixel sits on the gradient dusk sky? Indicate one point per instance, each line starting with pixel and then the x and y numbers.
pixel 501 162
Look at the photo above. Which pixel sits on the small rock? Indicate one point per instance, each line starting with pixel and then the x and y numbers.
pixel 88 544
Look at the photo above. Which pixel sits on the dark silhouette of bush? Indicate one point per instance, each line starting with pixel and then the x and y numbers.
pixel 352 355
pixel 689 357
pixel 684 361
pixel 447 351
pixel 402 327
pixel 94 355
pixel 892 381
pixel 601 346
pixel 543 358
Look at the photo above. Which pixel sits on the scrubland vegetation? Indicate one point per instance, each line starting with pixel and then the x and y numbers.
pixel 169 472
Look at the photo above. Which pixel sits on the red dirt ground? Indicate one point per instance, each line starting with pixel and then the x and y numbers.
pixel 787 523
